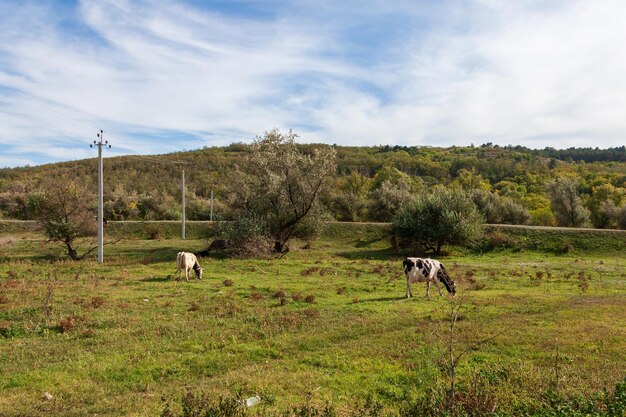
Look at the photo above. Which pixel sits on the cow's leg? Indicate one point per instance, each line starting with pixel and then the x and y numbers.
pixel 408 288
pixel 187 273
pixel 428 289
pixel 180 273
pixel 438 287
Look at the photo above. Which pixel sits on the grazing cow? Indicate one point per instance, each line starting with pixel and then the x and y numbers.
pixel 426 270
pixel 187 261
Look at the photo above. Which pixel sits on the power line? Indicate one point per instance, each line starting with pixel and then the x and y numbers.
pixel 100 144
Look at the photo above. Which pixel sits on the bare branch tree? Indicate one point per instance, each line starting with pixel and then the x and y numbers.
pixel 450 342
pixel 66 212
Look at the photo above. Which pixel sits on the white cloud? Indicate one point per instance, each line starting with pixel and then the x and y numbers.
pixel 451 73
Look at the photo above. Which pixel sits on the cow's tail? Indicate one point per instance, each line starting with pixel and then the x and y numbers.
pixel 179 257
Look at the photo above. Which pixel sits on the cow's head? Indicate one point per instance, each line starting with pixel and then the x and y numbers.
pixel 451 287
pixel 448 282
pixel 198 270
pixel 408 264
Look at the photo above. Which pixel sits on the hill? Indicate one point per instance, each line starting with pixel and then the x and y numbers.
pixel 148 187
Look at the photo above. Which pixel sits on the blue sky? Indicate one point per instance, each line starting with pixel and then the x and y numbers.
pixel 161 76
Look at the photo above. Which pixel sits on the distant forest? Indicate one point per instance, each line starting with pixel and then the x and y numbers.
pixel 510 184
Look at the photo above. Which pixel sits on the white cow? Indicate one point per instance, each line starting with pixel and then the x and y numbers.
pixel 426 270
pixel 187 261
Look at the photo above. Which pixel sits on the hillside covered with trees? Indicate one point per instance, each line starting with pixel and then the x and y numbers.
pixel 515 185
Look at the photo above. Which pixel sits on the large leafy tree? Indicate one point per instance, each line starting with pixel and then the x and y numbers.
pixel 391 191
pixel 348 198
pixel 283 184
pixel 566 202
pixel 499 210
pixel 439 218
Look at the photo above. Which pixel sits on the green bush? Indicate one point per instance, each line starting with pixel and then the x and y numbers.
pixel 247 236
pixel 443 217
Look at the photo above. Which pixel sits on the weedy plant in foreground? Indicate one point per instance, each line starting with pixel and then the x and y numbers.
pixel 452 353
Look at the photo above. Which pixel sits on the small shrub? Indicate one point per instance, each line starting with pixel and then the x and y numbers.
pixel 497 239
pixel 475 285
pixel 297 296
pixel 566 248
pixel 3 299
pixel 87 333
pixel 12 274
pixel 154 231
pixel 369 408
pixel 246 237
pixel 280 293
pixel 228 282
pixel 341 290
pixel 96 302
pixel 309 271
pixel 256 296
pixel 194 306
pixel 310 410
pixel 69 323
pixel 583 282
pixel 379 269
pixel 309 299
pixel 204 405
pixel 312 313
pixel 289 320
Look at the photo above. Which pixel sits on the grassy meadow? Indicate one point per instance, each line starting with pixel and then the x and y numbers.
pixel 327 322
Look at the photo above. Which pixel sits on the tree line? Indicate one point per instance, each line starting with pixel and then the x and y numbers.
pixel 512 184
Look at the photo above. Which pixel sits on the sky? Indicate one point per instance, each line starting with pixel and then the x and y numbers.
pixel 162 76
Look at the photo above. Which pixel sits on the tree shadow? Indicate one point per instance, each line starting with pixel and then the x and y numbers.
pixel 364 243
pixel 151 255
pixel 219 255
pixel 157 279
pixel 379 299
pixel 49 257
pixel 374 254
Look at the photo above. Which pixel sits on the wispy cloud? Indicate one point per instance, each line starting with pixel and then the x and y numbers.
pixel 160 76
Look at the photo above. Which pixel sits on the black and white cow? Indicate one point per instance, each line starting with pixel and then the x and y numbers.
pixel 426 270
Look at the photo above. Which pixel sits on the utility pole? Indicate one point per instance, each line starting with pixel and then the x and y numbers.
pixel 100 144
pixel 183 193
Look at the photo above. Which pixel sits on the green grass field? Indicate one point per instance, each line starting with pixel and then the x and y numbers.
pixel 327 323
